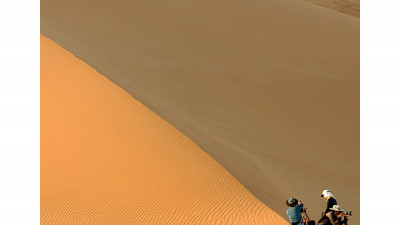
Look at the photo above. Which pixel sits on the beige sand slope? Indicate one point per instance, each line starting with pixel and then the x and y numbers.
pixel 268 88
pixel 350 7
pixel 107 159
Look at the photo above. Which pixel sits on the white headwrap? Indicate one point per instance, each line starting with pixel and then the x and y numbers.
pixel 327 193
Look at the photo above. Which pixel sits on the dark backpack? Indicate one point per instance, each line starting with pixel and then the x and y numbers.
pixel 310 222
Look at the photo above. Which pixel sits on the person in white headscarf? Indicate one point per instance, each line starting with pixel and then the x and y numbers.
pixel 330 200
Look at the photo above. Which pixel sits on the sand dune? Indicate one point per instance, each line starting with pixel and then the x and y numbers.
pixel 350 7
pixel 269 89
pixel 107 159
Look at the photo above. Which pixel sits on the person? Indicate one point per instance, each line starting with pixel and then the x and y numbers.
pixel 294 211
pixel 334 217
pixel 330 200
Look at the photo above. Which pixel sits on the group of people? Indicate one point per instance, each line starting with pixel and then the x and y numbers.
pixel 333 214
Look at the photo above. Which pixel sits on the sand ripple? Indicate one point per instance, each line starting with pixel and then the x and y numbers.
pixel 107 159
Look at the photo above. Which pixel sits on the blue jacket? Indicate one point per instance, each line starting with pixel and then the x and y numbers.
pixel 294 213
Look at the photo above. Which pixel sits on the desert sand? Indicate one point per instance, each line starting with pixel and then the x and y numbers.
pixel 350 7
pixel 107 159
pixel 269 89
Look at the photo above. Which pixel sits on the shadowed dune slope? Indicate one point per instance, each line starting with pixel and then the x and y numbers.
pixel 350 7
pixel 107 159
pixel 268 88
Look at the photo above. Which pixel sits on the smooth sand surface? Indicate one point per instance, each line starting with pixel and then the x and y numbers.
pixel 268 88
pixel 107 159
pixel 350 7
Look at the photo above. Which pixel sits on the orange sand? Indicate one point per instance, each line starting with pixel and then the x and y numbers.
pixel 268 89
pixel 107 159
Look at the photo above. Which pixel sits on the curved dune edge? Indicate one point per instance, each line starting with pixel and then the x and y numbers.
pixel 268 89
pixel 107 159
pixel 349 7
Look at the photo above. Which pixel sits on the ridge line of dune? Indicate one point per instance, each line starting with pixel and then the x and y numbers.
pixel 107 159
pixel 277 81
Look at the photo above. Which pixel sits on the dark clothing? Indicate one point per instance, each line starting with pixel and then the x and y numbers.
pixel 335 220
pixel 294 213
pixel 298 223
pixel 329 204
pixel 324 221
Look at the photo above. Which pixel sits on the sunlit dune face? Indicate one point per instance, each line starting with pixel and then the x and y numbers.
pixel 107 159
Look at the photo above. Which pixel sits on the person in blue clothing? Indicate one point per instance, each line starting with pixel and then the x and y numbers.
pixel 294 211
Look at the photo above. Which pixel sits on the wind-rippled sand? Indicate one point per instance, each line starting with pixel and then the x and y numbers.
pixel 268 89
pixel 107 159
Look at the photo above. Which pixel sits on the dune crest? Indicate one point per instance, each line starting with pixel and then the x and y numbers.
pixel 270 89
pixel 350 7
pixel 107 159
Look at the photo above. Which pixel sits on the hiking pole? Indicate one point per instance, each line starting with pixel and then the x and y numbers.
pixel 306 219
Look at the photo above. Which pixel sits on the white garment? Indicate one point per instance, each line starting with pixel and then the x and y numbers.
pixel 327 193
